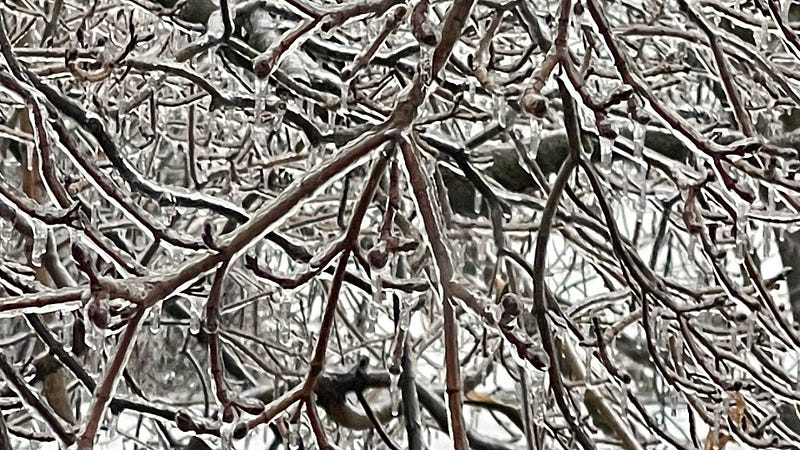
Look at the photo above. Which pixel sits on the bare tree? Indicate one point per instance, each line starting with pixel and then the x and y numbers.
pixel 561 224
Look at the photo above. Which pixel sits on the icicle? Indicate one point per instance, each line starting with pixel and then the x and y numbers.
pixel 365 31
pixel 655 316
pixel 112 423
pixel 377 284
pixel 740 250
pixel 284 333
pixel 344 92
pixel 770 201
pixel 371 306
pixel 284 306
pixel 155 318
pixel 284 318
pixel 533 396
pixel 94 336
pixel 588 363
pixel 767 244
pixel 39 246
pixel 471 85
pixel 405 316
pixel 536 137
pixel 639 131
pixel 501 110
pixel 6 235
pixel 797 365
pixel 606 150
pixel 394 393
pixel 331 120
pixel 260 101
pixel 761 36
pixel 626 189
pixel 194 315
pixel 226 436
pixel 309 107
pixel 370 317
pixel 642 195
pixel 741 247
pixel 741 220
pixel 211 58
pixel 297 348
pixel 315 153
pixel 691 246
pixel 277 118
pixel 29 157
pixel 294 436
pixel 425 61
pixel 168 212
pixel 717 423
pixel 674 402
pixel 65 332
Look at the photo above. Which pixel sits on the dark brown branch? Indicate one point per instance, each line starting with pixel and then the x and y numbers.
pixel 411 414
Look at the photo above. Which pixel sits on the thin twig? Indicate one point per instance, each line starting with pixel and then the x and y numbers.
pixel 539 263
pixel 444 274
pixel 375 422
pixel 103 394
